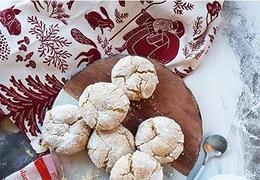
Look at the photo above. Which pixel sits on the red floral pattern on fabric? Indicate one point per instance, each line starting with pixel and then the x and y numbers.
pixel 27 105
pixel 119 16
pixel 55 9
pixel 214 8
pixel 60 37
pixel 197 26
pixel 213 13
pixel 51 47
pixel 104 43
pixel 181 6
pixel 194 49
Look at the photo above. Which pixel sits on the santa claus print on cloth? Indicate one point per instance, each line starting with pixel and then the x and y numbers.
pixel 9 20
pixel 154 38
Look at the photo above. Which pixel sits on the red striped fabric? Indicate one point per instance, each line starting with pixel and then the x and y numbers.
pixel 42 169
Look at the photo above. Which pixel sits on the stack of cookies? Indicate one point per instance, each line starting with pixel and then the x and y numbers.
pixel 96 123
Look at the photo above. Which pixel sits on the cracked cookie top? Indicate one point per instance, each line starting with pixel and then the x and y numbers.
pixel 103 106
pixel 161 137
pixel 137 166
pixel 136 76
pixel 106 147
pixel 63 132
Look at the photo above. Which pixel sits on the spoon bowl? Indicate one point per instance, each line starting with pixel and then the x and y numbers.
pixel 214 146
pixel 215 142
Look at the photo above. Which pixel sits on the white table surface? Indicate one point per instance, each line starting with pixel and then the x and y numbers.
pixel 226 86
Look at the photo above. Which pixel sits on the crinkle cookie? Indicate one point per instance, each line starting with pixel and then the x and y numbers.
pixel 136 76
pixel 103 106
pixel 63 132
pixel 161 137
pixel 106 147
pixel 137 166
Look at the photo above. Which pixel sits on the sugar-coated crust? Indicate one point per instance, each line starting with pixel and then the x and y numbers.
pixel 62 130
pixel 103 106
pixel 136 76
pixel 161 137
pixel 106 147
pixel 137 166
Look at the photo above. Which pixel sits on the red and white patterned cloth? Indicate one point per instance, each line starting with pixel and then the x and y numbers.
pixel 43 43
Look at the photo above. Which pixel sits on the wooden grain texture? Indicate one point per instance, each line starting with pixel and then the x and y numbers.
pixel 171 98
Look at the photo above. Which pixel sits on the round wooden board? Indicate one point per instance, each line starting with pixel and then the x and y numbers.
pixel 171 98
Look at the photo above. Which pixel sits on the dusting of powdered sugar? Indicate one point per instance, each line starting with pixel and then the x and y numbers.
pixel 242 29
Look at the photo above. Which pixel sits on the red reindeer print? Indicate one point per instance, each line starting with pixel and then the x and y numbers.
pixel 91 55
pixel 155 38
pixel 96 20
pixel 8 19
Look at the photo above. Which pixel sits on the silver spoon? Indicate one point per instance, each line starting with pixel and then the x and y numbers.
pixel 214 146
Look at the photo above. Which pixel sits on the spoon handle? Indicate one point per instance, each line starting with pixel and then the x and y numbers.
pixel 197 176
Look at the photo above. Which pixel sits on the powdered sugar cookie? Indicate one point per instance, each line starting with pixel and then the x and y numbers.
pixel 136 76
pixel 137 166
pixel 63 132
pixel 106 147
pixel 161 137
pixel 103 106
